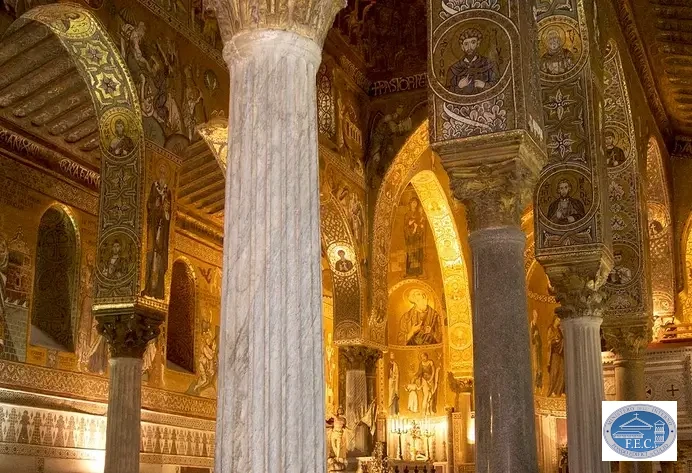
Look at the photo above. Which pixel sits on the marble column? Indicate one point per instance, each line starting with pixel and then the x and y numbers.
pixel 578 290
pixel 360 366
pixel 270 414
pixel 629 343
pixel 128 335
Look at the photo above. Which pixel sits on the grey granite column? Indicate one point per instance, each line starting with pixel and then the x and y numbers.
pixel 270 415
pixel 629 346
pixel 505 425
pixel 128 335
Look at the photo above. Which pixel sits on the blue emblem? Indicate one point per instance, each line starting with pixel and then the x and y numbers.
pixel 639 431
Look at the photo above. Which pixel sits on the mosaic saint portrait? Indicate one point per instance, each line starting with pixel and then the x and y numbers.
pixel 565 209
pixel 473 72
pixel 560 47
pixel 565 198
pixel 342 259
pixel 119 134
pixel 625 264
pixel 472 58
pixel 614 149
pixel 159 213
pixel 116 254
pixel 421 324
pixel 415 225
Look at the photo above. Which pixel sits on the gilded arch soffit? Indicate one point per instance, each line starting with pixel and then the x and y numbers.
pixel 627 285
pixel 120 139
pixel 454 271
pixel 388 196
pixel 660 233
pixel 348 295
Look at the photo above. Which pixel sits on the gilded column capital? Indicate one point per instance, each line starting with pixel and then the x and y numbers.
pixel 309 19
pixel 128 330
pixel 627 342
pixel 360 357
pixel 578 290
pixel 493 175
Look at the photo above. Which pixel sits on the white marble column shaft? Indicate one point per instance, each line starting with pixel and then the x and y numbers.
pixel 124 411
pixel 505 424
pixel 629 386
pixel 584 386
pixel 270 414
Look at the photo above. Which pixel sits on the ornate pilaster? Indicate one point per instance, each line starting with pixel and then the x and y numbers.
pixel 270 414
pixel 128 330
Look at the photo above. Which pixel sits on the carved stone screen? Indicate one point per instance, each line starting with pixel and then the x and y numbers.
pixel 180 344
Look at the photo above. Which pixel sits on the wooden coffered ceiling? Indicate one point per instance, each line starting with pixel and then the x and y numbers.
pixel 659 34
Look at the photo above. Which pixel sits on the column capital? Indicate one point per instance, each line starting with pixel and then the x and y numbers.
pixel 628 342
pixel 493 175
pixel 309 19
pixel 578 289
pixel 128 330
pixel 360 356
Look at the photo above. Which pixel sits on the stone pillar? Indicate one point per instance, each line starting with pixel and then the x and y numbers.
pixel 629 346
pixel 360 366
pixel 270 414
pixel 495 195
pixel 127 335
pixel 578 289
pixel 505 439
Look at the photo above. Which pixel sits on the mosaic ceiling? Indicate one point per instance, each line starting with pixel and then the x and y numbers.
pixel 660 36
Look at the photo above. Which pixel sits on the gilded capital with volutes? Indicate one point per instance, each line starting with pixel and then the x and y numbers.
pixel 128 330
pixel 309 19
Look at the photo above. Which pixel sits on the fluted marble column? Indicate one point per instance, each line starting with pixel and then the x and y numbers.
pixel 584 386
pixel 629 346
pixel 127 333
pixel 578 290
pixel 270 413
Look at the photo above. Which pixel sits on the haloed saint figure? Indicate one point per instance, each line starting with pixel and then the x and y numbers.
pixel 473 73
pixel 414 237
pixel 158 226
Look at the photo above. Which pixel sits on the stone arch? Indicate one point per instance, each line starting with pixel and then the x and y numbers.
pixel 54 306
pixel 67 40
pixel 180 333
pixel 447 241
pixel 454 273
pixel 388 196
pixel 660 233
pixel 348 296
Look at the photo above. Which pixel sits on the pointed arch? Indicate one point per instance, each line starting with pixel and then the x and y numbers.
pixel 388 196
pixel 72 47
pixel 348 298
pixel 180 333
pixel 402 171
pixel 660 233
pixel 454 273
pixel 55 308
